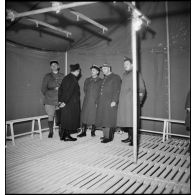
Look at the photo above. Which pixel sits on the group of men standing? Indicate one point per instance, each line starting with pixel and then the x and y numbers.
pixel 108 102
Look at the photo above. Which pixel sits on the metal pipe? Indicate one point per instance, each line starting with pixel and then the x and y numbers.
pixel 89 20
pixel 37 22
pixel 162 119
pixel 48 9
pixel 66 61
pixel 134 57
pixel 168 63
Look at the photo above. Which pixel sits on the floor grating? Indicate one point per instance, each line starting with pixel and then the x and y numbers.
pixel 88 166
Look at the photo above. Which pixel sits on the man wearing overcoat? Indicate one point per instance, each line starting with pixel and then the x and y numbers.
pixel 125 107
pixel 107 102
pixel 91 89
pixel 69 103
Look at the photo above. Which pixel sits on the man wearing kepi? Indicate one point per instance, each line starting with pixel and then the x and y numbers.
pixel 125 107
pixel 107 103
pixel 69 100
pixel 91 89
pixel 49 88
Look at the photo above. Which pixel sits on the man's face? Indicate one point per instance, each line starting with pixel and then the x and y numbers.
pixel 94 72
pixel 54 66
pixel 128 66
pixel 77 72
pixel 106 70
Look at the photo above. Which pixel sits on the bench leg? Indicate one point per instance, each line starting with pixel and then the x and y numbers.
pixel 164 130
pixel 33 128
pixel 39 125
pixel 12 133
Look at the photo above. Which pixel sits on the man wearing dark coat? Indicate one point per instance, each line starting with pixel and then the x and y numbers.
pixel 125 107
pixel 107 103
pixel 69 103
pixel 91 89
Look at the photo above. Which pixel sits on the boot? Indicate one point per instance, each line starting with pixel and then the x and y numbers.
pixel 83 132
pixel 111 133
pixel 68 137
pixel 128 139
pixel 93 131
pixel 60 132
pixel 131 136
pixel 50 124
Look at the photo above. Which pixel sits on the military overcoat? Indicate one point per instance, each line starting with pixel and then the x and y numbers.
pixel 91 89
pixel 125 107
pixel 109 92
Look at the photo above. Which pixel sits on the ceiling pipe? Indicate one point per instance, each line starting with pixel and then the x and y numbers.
pixel 79 15
pixel 37 22
pixel 12 15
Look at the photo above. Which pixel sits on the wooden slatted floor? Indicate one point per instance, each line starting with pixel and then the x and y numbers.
pixel 88 166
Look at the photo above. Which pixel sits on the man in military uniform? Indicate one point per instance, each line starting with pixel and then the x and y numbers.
pixel 91 89
pixel 107 103
pixel 49 88
pixel 125 107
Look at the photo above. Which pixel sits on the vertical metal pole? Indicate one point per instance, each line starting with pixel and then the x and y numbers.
pixel 134 57
pixel 66 61
pixel 168 64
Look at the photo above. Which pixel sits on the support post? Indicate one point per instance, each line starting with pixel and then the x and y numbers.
pixel 66 61
pixel 168 64
pixel 134 57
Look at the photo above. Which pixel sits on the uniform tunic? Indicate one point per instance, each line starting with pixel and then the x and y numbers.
pixel 69 93
pixel 91 89
pixel 125 107
pixel 49 84
pixel 109 92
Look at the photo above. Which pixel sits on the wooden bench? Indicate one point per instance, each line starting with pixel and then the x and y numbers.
pixel 33 119
pixel 166 127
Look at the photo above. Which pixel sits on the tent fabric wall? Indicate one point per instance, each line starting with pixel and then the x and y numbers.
pixel 25 68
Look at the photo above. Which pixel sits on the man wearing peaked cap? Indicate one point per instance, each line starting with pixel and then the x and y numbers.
pixel 95 67
pixel 49 88
pixel 88 112
pixel 69 100
pixel 107 103
pixel 128 59
pixel 105 65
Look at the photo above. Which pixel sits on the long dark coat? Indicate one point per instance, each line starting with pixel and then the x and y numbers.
pixel 188 113
pixel 69 93
pixel 125 107
pixel 109 92
pixel 91 89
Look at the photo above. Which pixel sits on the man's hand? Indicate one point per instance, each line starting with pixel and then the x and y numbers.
pixel 113 104
pixel 56 88
pixel 62 105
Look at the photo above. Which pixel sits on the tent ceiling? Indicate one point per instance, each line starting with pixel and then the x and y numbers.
pixel 109 14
